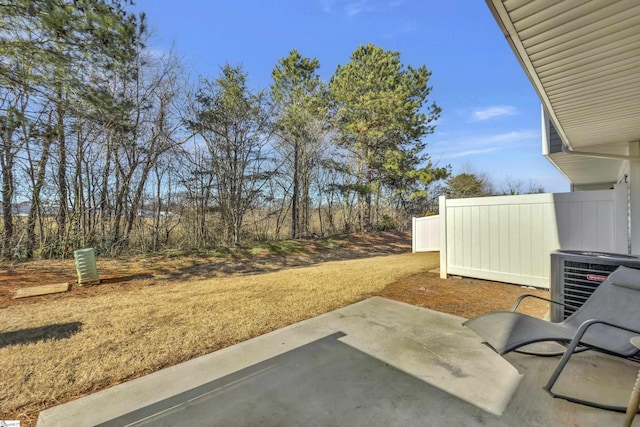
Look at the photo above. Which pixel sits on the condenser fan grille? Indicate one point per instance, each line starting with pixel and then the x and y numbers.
pixel 580 280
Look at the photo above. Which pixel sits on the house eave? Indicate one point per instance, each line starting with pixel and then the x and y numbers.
pixel 582 59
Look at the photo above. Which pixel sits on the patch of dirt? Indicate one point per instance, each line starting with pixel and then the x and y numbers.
pixel 463 297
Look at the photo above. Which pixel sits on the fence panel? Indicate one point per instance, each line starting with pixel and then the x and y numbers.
pixel 510 238
pixel 426 234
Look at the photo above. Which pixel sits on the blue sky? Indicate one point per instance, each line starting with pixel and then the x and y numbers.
pixel 491 115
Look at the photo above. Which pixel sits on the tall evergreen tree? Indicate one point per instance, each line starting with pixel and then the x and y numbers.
pixel 382 118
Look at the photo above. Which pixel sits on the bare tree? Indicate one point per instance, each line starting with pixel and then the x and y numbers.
pixel 234 123
pixel 13 105
pixel 300 99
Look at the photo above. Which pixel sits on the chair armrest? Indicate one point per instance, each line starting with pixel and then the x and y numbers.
pixel 522 297
pixel 577 338
pixel 589 323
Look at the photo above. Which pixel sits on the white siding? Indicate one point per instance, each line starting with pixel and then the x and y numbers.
pixel 510 238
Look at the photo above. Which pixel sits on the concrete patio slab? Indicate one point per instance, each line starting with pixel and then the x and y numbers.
pixel 377 362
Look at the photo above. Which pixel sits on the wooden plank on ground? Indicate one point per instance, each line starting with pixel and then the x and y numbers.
pixel 41 290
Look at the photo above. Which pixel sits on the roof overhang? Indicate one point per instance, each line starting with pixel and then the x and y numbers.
pixel 583 59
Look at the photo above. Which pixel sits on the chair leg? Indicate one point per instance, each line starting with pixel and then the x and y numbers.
pixel 561 364
pixel 571 348
pixel 634 402
pixel 558 370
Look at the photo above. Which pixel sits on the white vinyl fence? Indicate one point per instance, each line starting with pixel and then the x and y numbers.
pixel 425 234
pixel 510 238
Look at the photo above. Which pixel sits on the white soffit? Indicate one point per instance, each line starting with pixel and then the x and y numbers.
pixel 583 170
pixel 583 58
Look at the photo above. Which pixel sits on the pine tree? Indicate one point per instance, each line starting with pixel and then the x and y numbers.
pixel 299 96
pixel 379 111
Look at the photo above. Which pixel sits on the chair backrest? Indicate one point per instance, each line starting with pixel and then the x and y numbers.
pixel 617 301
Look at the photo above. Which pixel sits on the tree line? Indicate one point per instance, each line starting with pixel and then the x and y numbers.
pixel 106 144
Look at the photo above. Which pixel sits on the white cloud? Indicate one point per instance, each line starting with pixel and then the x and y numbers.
pixel 488 113
pixel 355 8
pixel 481 144
pixel 326 5
pixel 469 153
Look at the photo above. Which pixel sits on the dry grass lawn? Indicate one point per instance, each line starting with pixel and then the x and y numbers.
pixel 55 350
pixel 152 312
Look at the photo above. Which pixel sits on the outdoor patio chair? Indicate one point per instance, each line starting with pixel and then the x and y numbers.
pixel 605 323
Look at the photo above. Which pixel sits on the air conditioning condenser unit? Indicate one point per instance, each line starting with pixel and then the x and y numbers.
pixel 576 274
